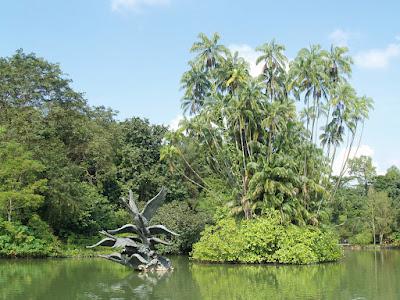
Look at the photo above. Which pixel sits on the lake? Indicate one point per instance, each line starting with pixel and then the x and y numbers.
pixel 360 275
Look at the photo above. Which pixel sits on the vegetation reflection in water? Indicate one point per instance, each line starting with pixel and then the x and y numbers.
pixel 361 275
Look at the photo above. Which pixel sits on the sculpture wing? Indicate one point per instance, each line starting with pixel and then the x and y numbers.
pixel 160 229
pixel 125 242
pixel 130 203
pixel 128 228
pixel 107 242
pixel 115 257
pixel 137 257
pixel 153 204
pixel 135 239
pixel 153 241
pixel 136 260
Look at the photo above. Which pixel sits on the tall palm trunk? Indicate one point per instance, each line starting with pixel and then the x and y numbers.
pixel 326 125
pixel 245 200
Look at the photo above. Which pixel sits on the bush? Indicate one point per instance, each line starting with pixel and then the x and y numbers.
pixel 178 216
pixel 395 239
pixel 17 240
pixel 362 238
pixel 40 229
pixel 265 240
pixel 94 214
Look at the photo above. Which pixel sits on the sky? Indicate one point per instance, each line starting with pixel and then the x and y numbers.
pixel 130 54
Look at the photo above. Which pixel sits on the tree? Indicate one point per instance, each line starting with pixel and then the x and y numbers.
pixel 274 69
pixel 390 182
pixel 251 140
pixel 27 80
pixel 380 214
pixel 139 166
pixel 308 77
pixel 210 53
pixel 20 182
pixel 363 171
pixel 197 88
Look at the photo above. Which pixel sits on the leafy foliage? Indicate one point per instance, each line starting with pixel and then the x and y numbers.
pixel 250 133
pixel 69 162
pixel 20 182
pixel 265 240
pixel 17 240
pixel 184 220
pixel 249 149
pixel 366 208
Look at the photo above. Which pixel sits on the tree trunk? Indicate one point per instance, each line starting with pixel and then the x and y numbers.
pixel 246 209
pixel 9 212
pixel 245 201
pixel 373 232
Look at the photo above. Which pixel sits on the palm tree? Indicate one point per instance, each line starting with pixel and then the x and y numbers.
pixel 246 131
pixel 233 73
pixel 210 53
pixel 342 100
pixel 277 116
pixel 197 88
pixel 308 78
pixel 274 69
pixel 338 64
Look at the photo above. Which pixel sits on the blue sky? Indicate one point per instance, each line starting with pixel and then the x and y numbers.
pixel 130 54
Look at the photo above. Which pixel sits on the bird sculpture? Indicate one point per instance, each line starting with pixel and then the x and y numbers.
pixel 138 251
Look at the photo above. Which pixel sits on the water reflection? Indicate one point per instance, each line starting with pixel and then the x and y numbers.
pixel 266 282
pixel 361 275
pixel 140 286
pixel 91 279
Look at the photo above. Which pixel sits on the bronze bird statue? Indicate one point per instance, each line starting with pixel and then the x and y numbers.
pixel 138 251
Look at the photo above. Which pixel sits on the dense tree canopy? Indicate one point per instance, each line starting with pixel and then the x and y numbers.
pixel 252 135
pixel 249 146
pixel 21 184
pixel 66 160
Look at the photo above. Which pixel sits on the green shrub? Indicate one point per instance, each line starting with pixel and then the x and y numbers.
pixel 40 229
pixel 178 216
pixel 325 245
pixel 295 246
pixel 219 243
pixel 17 240
pixel 265 240
pixel 260 238
pixel 214 200
pixel 395 239
pixel 362 238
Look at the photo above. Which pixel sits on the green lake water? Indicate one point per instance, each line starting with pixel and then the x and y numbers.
pixel 360 275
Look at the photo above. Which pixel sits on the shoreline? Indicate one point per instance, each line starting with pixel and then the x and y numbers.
pixel 370 247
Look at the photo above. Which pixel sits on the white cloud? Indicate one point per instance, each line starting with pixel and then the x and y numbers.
pixel 174 123
pixel 340 37
pixel 354 152
pixel 136 5
pixel 377 58
pixel 250 55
